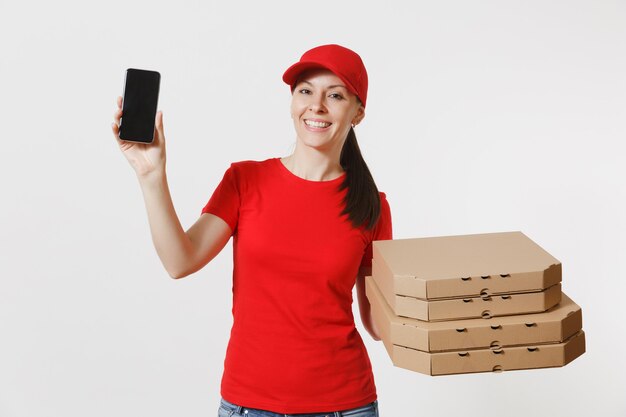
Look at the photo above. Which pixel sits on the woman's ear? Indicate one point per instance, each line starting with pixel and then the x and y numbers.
pixel 360 114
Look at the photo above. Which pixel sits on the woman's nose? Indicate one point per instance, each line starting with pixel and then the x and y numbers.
pixel 317 104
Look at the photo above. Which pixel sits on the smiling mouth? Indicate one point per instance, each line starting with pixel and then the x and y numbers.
pixel 319 125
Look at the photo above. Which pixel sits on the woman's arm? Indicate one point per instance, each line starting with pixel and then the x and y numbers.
pixel 181 253
pixel 364 304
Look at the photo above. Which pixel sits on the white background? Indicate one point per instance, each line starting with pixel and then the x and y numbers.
pixel 482 116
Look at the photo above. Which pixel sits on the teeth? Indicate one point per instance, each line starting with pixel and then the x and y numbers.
pixel 316 124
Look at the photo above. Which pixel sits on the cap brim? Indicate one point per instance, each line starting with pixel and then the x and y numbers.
pixel 293 72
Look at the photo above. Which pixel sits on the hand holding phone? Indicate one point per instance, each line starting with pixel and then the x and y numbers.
pixel 140 100
pixel 146 158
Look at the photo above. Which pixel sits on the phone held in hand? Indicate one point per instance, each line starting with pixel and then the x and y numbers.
pixel 141 96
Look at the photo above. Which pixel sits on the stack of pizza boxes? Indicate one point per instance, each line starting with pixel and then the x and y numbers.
pixel 473 303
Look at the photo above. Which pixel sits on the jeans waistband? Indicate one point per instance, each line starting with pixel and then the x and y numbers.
pixel 241 410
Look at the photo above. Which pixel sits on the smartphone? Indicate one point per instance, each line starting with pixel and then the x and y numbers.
pixel 139 105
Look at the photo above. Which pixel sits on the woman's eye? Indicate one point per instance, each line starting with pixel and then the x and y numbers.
pixel 304 91
pixel 337 96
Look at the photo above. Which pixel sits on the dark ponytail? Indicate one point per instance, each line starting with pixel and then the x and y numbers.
pixel 362 201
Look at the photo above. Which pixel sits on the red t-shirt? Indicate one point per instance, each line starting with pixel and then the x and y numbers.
pixel 293 346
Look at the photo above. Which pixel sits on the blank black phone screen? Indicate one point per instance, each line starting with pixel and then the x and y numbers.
pixel 141 96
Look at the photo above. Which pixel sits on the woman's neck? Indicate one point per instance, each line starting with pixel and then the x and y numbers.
pixel 313 165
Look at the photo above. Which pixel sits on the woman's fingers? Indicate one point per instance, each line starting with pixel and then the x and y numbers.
pixel 115 126
pixel 116 132
pixel 159 126
pixel 117 115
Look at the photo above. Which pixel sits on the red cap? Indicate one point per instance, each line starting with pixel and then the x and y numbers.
pixel 345 63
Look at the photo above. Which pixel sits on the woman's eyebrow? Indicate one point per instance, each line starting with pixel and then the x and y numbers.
pixel 329 87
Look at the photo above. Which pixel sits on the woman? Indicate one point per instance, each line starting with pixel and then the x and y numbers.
pixel 302 229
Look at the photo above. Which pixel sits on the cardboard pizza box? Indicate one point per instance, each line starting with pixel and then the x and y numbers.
pixel 553 326
pixel 486 306
pixel 463 266
pixel 488 360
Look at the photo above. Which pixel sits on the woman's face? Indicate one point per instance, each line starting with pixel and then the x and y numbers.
pixel 323 109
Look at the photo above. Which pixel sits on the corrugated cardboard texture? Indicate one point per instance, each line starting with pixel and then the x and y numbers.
pixel 489 360
pixel 553 326
pixel 472 307
pixel 463 266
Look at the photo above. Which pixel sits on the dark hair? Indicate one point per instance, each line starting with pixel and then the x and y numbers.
pixel 362 201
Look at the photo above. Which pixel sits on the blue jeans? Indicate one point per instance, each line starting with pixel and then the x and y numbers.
pixel 228 409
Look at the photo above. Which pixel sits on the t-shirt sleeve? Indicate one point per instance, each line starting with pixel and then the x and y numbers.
pixel 382 230
pixel 225 200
